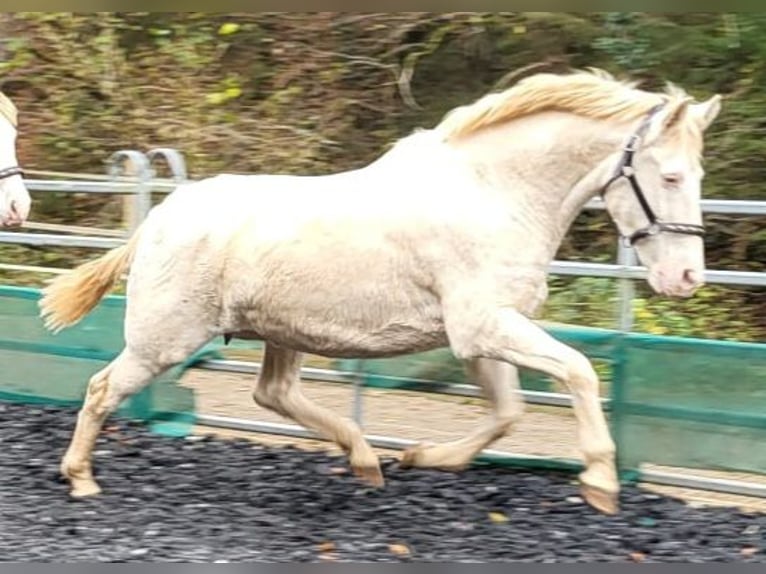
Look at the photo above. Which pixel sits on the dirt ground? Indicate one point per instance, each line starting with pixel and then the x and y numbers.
pixel 544 431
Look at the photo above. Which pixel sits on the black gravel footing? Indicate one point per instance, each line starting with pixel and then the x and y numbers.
pixel 205 500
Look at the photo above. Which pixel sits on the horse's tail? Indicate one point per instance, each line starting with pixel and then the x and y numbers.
pixel 69 297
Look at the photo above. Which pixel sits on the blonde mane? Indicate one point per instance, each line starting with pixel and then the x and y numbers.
pixel 7 109
pixel 594 94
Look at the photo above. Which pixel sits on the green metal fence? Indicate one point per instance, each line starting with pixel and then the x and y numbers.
pixel 39 367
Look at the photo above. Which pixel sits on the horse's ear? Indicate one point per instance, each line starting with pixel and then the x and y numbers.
pixel 675 113
pixel 705 112
pixel 668 118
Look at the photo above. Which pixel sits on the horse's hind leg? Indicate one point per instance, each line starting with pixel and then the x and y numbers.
pixel 127 374
pixel 278 389
pixel 500 383
pixel 106 389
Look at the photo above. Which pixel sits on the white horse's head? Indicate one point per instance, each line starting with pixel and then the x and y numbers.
pixel 654 195
pixel 651 182
pixel 15 201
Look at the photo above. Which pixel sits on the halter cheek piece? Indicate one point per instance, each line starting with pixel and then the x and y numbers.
pixel 625 169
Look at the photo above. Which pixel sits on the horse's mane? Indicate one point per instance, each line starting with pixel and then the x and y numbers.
pixel 7 109
pixel 594 94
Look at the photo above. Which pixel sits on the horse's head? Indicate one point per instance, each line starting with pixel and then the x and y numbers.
pixel 654 195
pixel 14 197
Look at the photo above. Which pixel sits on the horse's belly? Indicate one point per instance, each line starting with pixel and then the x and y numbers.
pixel 385 343
pixel 345 331
pixel 333 290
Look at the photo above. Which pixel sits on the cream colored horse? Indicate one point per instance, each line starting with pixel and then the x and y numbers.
pixel 14 197
pixel 444 240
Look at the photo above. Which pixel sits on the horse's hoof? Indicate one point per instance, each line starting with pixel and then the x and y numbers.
pixel 600 499
pixel 85 490
pixel 372 475
pixel 434 456
pixel 413 456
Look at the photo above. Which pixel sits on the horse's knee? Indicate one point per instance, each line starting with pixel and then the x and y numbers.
pixel 581 376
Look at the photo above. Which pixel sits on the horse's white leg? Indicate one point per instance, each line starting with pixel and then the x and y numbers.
pixel 507 335
pixel 500 383
pixel 124 376
pixel 278 389
pixel 134 368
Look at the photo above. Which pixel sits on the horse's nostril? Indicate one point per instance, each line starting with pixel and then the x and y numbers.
pixel 690 277
pixel 14 209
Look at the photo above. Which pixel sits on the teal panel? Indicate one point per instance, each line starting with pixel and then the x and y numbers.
pixel 691 403
pixel 40 367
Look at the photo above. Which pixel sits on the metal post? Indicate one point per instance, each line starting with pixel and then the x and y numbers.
pixel 139 168
pixel 626 291
pixel 173 158
pixel 357 412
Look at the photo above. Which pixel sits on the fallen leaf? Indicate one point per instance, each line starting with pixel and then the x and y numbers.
pixel 338 470
pixel 399 549
pixel 748 550
pixel 637 556
pixel 498 517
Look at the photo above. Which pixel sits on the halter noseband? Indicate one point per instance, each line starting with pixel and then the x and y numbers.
pixel 11 171
pixel 625 169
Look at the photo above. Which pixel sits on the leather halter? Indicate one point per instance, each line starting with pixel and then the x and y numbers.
pixel 625 169
pixel 11 171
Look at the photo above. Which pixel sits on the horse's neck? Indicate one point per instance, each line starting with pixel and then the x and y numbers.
pixel 548 166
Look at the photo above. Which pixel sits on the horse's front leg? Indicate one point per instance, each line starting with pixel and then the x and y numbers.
pixel 500 383
pixel 504 334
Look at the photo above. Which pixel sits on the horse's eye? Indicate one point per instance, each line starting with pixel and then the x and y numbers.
pixel 672 179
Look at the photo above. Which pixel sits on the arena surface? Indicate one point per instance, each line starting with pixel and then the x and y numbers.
pixel 217 499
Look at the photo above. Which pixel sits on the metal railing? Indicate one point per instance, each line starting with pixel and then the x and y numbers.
pixel 131 173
